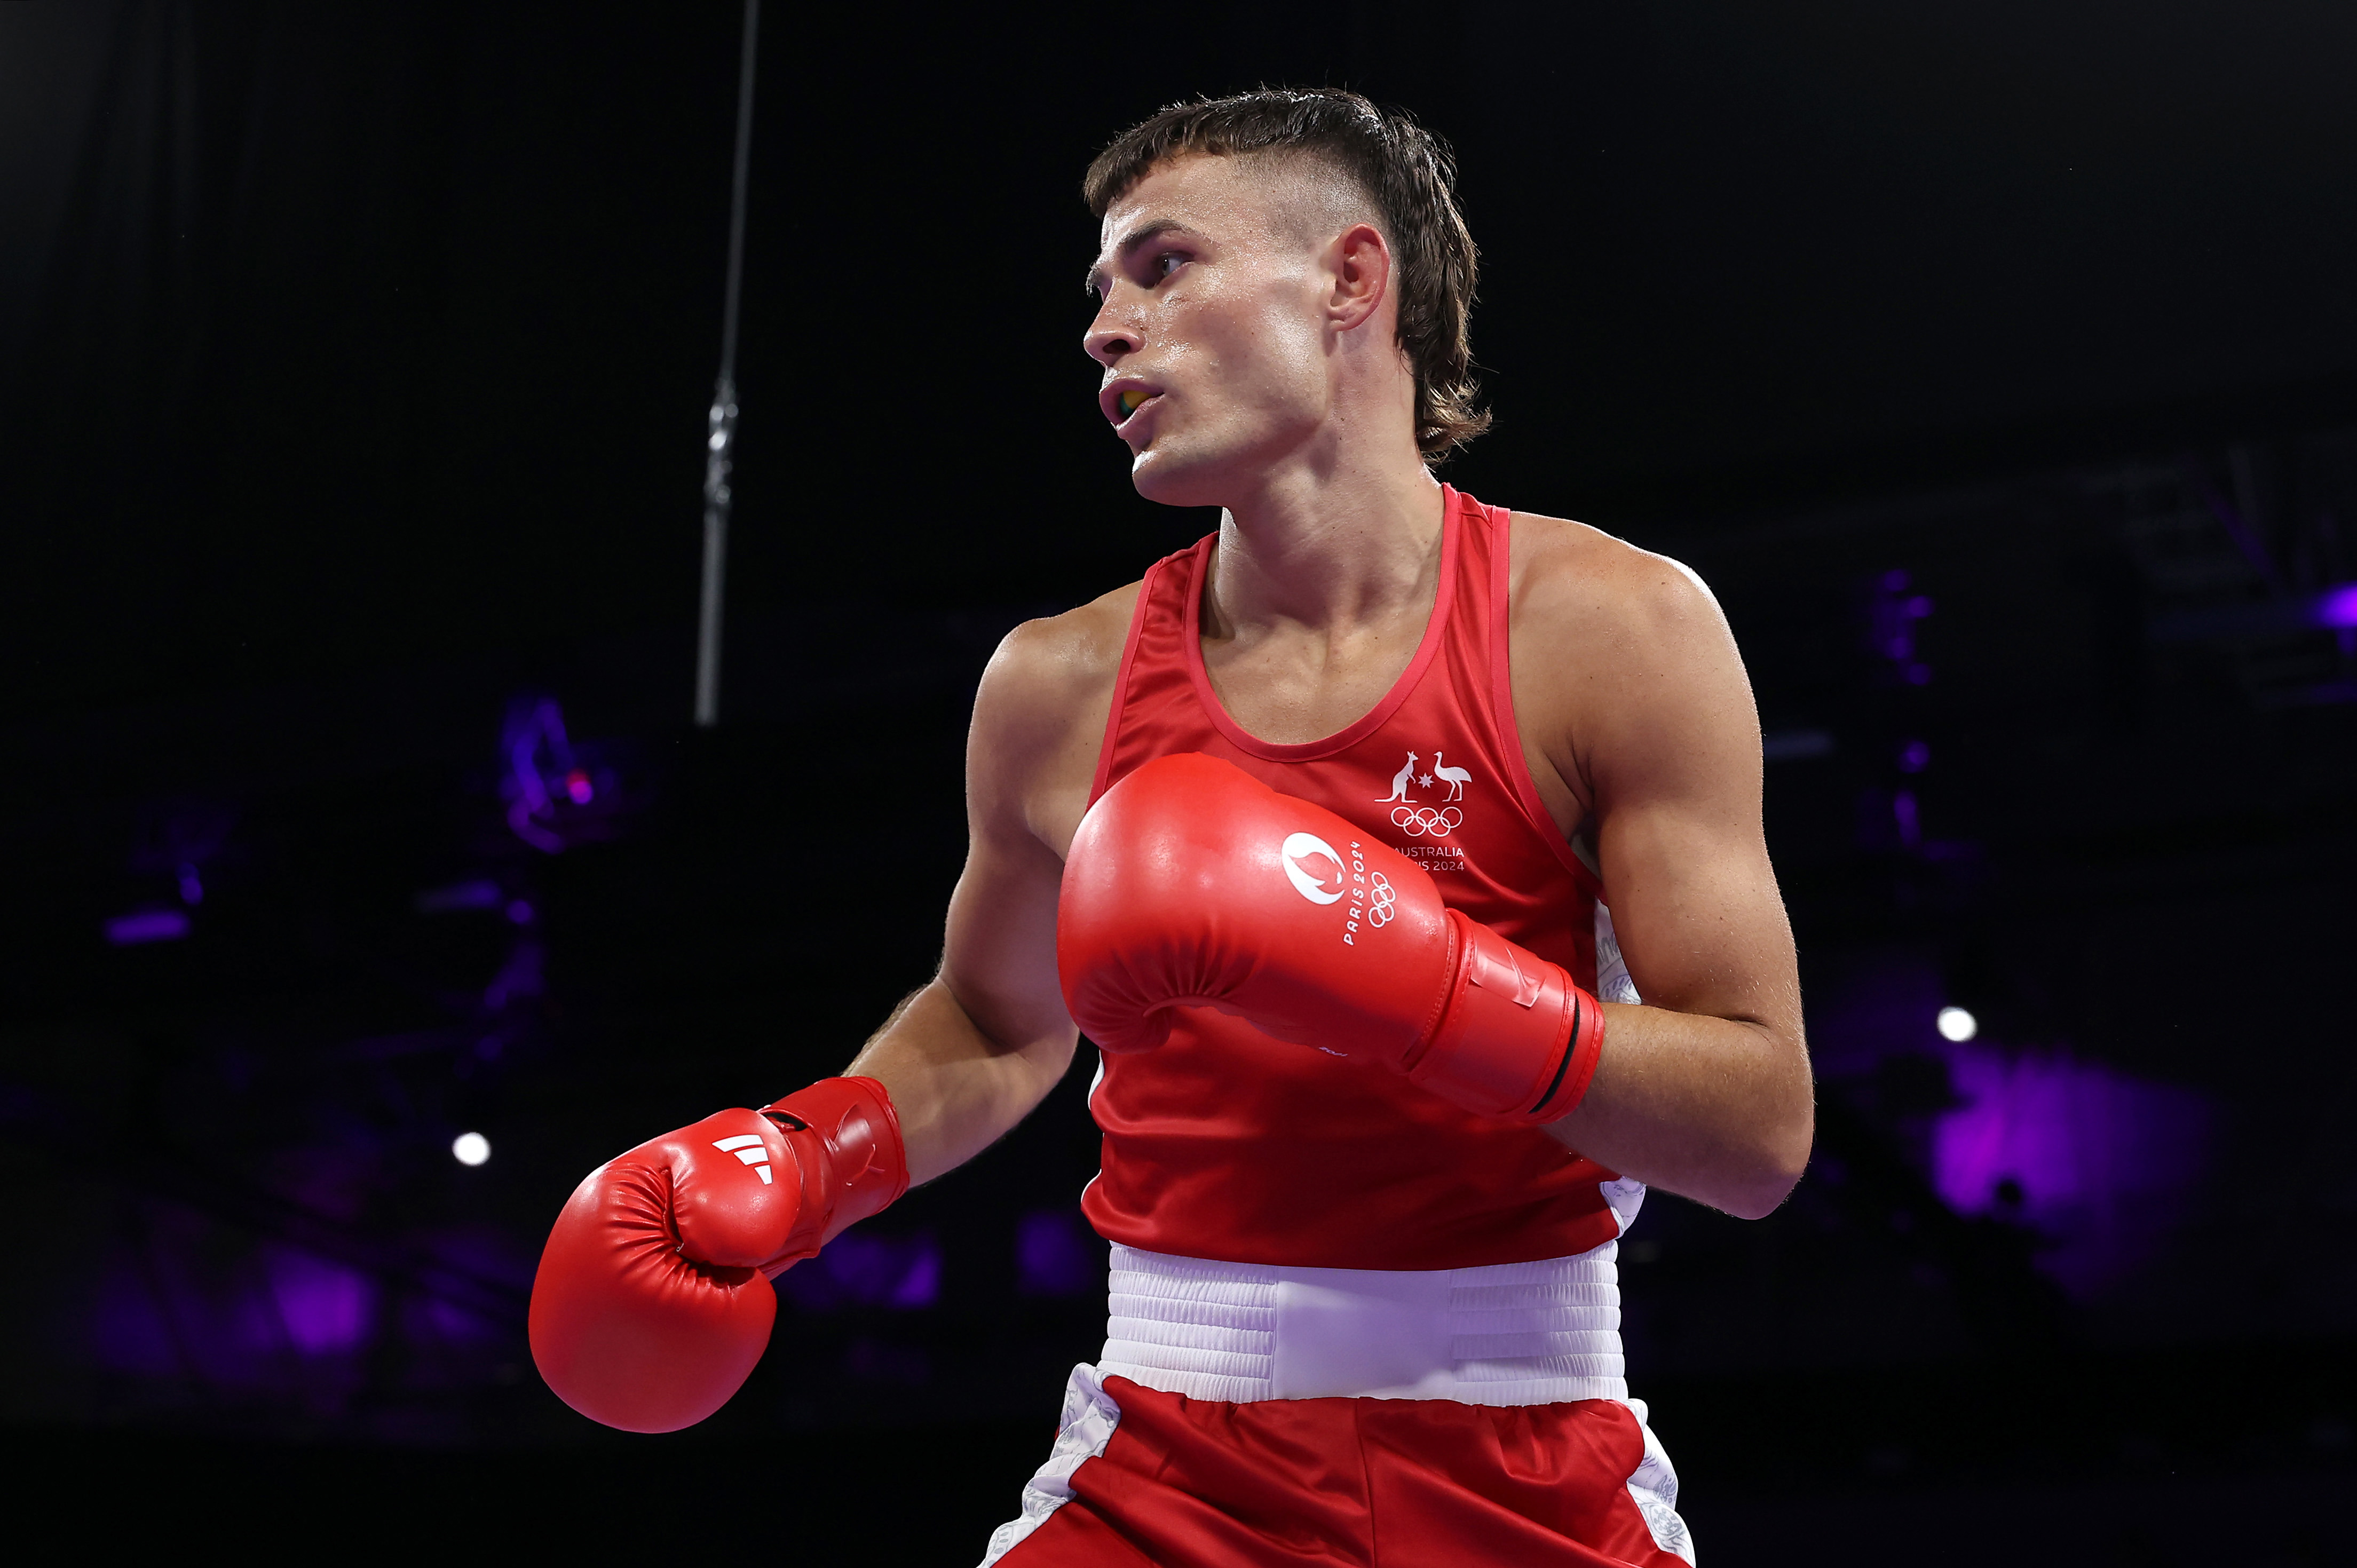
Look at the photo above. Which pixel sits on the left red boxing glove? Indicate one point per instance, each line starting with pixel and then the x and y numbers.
pixel 653 1301
pixel 1192 884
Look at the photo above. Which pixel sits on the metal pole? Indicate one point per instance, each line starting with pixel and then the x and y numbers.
pixel 720 443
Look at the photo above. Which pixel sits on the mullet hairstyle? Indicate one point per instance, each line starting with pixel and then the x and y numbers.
pixel 1404 168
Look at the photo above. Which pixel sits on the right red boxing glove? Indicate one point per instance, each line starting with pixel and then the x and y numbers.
pixel 1192 884
pixel 653 1301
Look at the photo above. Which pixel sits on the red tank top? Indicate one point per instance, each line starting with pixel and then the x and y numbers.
pixel 1224 1144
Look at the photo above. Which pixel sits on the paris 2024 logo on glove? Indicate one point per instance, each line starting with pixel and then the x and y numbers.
pixel 1371 894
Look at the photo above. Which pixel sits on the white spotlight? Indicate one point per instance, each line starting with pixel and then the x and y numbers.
pixel 1955 1023
pixel 473 1148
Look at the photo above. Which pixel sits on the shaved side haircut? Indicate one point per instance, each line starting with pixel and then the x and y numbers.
pixel 1405 172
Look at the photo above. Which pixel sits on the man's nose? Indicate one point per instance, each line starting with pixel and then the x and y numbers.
pixel 1108 341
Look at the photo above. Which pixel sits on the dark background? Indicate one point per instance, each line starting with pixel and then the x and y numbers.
pixel 1996 364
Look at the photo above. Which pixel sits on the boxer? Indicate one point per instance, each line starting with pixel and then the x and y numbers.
pixel 1402 856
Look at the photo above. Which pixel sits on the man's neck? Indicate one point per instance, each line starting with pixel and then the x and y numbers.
pixel 1355 546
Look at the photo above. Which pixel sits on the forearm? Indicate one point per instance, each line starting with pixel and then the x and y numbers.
pixel 955 1089
pixel 1717 1110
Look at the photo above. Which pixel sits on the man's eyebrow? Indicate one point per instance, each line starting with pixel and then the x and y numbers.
pixel 1137 240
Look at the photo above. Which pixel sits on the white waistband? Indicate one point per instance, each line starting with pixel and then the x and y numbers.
pixel 1509 1333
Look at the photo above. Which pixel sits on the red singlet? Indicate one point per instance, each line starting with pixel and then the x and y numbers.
pixel 1226 1144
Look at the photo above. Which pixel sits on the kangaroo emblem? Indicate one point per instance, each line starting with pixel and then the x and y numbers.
pixel 1457 778
pixel 1400 781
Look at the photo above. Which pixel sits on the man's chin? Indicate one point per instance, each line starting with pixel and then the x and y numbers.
pixel 1173 479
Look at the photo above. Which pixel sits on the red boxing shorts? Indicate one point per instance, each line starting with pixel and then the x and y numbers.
pixel 1157 1480
pixel 1250 1414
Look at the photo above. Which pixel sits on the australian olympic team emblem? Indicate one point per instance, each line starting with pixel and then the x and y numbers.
pixel 1418 820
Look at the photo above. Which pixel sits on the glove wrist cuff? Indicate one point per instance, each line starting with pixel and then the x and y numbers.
pixel 845 1135
pixel 1516 1038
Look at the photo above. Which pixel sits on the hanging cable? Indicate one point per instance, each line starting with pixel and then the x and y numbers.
pixel 720 443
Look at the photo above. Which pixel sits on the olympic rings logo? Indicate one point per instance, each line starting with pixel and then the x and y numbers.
pixel 1380 903
pixel 1419 820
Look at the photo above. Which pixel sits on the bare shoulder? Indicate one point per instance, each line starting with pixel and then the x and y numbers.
pixel 1039 716
pixel 1575 582
pixel 1043 667
pixel 1623 666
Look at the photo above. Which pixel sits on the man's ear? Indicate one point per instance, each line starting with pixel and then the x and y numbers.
pixel 1361 266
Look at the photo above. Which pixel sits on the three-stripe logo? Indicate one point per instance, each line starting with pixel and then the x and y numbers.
pixel 747 1147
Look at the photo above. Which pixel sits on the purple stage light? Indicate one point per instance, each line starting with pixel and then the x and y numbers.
pixel 480 1250
pixel 1914 756
pixel 2337 606
pixel 435 1319
pixel 327 1307
pixel 857 1269
pixel 1056 1255
pixel 518 979
pixel 549 788
pixel 921 1285
pixel 479 894
pixel 177 838
pixel 1891 617
pixel 147 926
pixel 535 730
pixel 2098 1161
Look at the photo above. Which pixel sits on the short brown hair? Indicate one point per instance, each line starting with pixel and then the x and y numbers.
pixel 1404 168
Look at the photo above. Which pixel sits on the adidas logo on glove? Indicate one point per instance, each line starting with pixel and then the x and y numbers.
pixel 747 1147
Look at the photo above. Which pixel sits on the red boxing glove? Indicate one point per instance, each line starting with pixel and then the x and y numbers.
pixel 1192 884
pixel 653 1301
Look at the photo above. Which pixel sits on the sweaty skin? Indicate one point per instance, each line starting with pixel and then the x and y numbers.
pixel 1246 331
